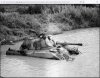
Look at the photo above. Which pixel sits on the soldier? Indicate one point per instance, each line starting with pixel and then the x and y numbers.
pixel 64 53
pixel 26 45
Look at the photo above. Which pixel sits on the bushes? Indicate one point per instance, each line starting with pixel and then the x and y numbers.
pixel 35 9
pixel 19 21
pixel 14 21
pixel 22 10
pixel 64 27
pixel 2 9
pixel 77 16
pixel 52 19
pixel 52 28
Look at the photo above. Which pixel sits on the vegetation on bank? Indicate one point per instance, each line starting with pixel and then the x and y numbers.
pixel 17 21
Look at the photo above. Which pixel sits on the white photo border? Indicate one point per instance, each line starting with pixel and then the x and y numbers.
pixel 49 1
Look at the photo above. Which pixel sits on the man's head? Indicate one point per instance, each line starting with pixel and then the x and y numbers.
pixel 50 41
pixel 59 47
pixel 42 36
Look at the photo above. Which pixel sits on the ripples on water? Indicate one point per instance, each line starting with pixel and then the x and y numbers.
pixel 29 66
pixel 21 66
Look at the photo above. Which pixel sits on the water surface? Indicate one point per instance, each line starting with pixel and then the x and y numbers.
pixel 84 65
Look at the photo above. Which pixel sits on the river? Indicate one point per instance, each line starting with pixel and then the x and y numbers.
pixel 84 65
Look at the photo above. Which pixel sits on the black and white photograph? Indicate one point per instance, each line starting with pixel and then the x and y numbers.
pixel 49 40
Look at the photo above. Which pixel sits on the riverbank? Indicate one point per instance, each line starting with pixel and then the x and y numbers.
pixel 18 20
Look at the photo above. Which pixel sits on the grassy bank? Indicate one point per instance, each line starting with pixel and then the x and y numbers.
pixel 50 19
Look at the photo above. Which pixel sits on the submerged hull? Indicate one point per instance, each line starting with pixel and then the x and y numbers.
pixel 40 54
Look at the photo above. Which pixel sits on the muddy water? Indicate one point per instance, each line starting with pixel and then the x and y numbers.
pixel 84 65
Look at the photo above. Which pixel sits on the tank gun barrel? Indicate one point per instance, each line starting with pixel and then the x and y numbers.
pixel 65 43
